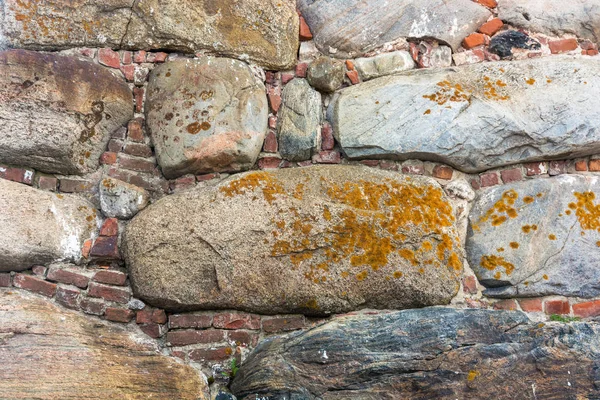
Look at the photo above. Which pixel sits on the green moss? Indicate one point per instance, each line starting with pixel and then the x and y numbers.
pixel 562 318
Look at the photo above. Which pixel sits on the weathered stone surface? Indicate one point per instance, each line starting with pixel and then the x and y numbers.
pixel 57 112
pixel 119 199
pixel 206 115
pixel 265 32
pixel 384 64
pixel 315 240
pixel 40 227
pixel 474 117
pixel 350 28
pixel 325 74
pixel 432 353
pixel 553 17
pixel 299 121
pixel 538 237
pixel 48 352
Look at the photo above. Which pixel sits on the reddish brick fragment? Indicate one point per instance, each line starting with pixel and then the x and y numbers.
pixel 108 158
pixel 581 165
pixel 159 316
pixel 138 96
pixel 106 247
pixel 282 324
pixel 489 179
pixel 270 145
pixel 594 165
pixel 491 27
pixel 68 277
pixel 185 182
pixel 34 284
pixel 511 175
pixel 110 227
pixel 274 96
pixel 187 337
pixel 206 177
pixel 126 57
pixel 136 164
pixel 327 157
pixel 285 78
pixel 217 355
pixel 470 284
pixel 46 182
pixel 109 58
pixel 442 172
pixel 269 162
pixel 110 293
pixel 560 307
pixel 153 330
pixel 509 304
pixel 587 309
pixel 4 280
pixel 190 321
pixel 536 168
pixel 474 40
pixel 39 270
pixel 243 338
pixel 531 305
pixel 118 314
pixel 563 45
pixel 67 297
pixel 16 175
pixel 128 72
pixel 388 165
pixel 487 3
pixel 87 247
pixel 301 69
pixel 134 130
pixel 370 163
pixel 327 139
pixel 139 57
pixel 236 321
pixel 353 76
pixel 305 33
pixel 413 169
pixel 557 168
pixel 138 150
pixel 74 185
pixel 93 307
pixel 110 277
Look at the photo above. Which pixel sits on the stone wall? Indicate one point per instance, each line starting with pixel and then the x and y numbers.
pixel 207 174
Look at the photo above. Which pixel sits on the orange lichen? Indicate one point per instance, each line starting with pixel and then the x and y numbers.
pixel 428 111
pixel 552 236
pixel 588 213
pixel 472 375
pixel 361 275
pixel 491 89
pixel 500 249
pixel 504 205
pixel 265 181
pixel 545 277
pixel 492 262
pixel 448 92
pixel 398 274
pixel 514 245
pixel 528 199
pixel 530 81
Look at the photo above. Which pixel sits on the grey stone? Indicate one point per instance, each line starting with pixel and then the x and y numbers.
pixel 383 64
pixel 135 304
pixel 431 353
pixel 121 200
pixel 553 17
pixel 538 237
pixel 474 117
pixel 205 115
pixel 315 240
pixel 326 74
pixel 57 112
pixel 351 28
pixel 299 121
pixel 265 32
pixel 41 227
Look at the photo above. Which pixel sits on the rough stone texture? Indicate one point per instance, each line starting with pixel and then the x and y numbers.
pixel 119 199
pixel 206 115
pixel 48 352
pixel 57 112
pixel 350 28
pixel 384 64
pixel 537 237
pixel 265 32
pixel 325 74
pixel 40 227
pixel 474 117
pixel 299 121
pixel 553 17
pixel 432 353
pixel 315 240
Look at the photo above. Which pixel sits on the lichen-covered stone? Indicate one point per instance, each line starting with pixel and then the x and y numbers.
pixel 317 240
pixel 205 115
pixel 48 352
pixel 474 117
pixel 265 32
pixel 40 227
pixel 351 28
pixel 120 199
pixel 432 353
pixel 538 237
pixel 299 121
pixel 57 112
pixel 325 74
pixel 384 64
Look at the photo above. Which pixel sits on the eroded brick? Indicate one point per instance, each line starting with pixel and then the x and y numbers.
pixel 110 293
pixel 216 355
pixel 187 337
pixel 198 321
pixel 531 305
pixel 560 307
pixel 110 277
pixel 68 277
pixel 282 324
pixel 68 297
pixel 34 284
pixel 587 309
pixel 236 321
pixel 119 314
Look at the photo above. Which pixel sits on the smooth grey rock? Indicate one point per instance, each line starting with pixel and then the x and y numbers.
pixel 40 227
pixel 351 28
pixel 57 112
pixel 206 115
pixel 474 117
pixel 537 237
pixel 431 353
pixel 384 64
pixel 121 200
pixel 265 32
pixel 315 240
pixel 299 121
pixel 326 74
pixel 554 17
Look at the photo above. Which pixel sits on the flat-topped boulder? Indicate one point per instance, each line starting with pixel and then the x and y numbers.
pixel 317 240
pixel 58 112
pixel 474 117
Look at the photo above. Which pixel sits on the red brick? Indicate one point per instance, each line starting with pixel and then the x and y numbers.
pixel 304 30
pixel 74 185
pixel 184 338
pixel 491 27
pixel 413 169
pixel 110 227
pixel 353 76
pixel 46 182
pixel 118 314
pixel 487 3
pixel 271 77
pixel 159 57
pixel 327 157
pixel 511 175
pixel 39 270
pixel 159 316
pixel 128 72
pixel 301 70
pixel 489 179
pixel 4 280
pixel 536 168
pixel 144 316
pixel 509 304
pixel 388 165
pixel 138 149
pixel 108 158
pixel 473 40
pixel 304 163
pixel 34 284
pixel 68 277
pixel 135 131
pixel 67 297
pixel 138 97
pixel 557 168
pixel 110 293
pixel 531 305
pixel 109 58
pixel 442 172
pixel 93 307
pixel 218 355
pixel 153 330
pixel 274 96
pixel 470 284
pixel 243 338
pixel 87 246
pixel 270 145
pixel 587 309
pixel 136 164
pixel 282 324
pixel 190 321
pixel 370 163
pixel 185 182
pixel 206 177
pixel 592 52
pixel 560 307
pixel 86 52
pixel 236 321
pixel 563 45
pixel 139 57
pixel 16 175
pixel 285 78
pixel 587 45
pixel 349 65
pixel 106 247
pixel 475 183
pixel 126 57
pixel 269 162
pixel 327 139
pixel 581 165
pixel 594 165
pixel 110 277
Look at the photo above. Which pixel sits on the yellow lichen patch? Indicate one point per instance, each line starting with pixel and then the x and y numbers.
pixel 262 180
pixel 545 277
pixel 500 249
pixel 492 90
pixel 472 375
pixel 504 205
pixel 428 111
pixel 448 92
pixel 552 236
pixel 398 274
pixel 492 262
pixel 454 262
pixel 528 199
pixel 362 275
pixel 530 81
pixel 514 245
pixel 588 213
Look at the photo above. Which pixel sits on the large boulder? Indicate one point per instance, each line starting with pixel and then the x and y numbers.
pixel 48 352
pixel 433 353
pixel 351 28
pixel 318 240
pixel 265 32
pixel 40 227
pixel 58 112
pixel 474 117
pixel 206 115
pixel 538 237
